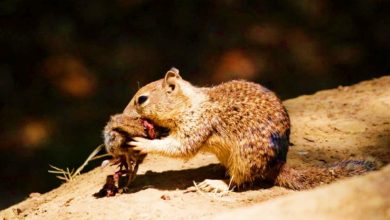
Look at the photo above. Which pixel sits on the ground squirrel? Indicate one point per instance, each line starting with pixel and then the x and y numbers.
pixel 243 123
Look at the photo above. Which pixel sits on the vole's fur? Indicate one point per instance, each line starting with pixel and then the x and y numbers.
pixel 244 124
pixel 119 129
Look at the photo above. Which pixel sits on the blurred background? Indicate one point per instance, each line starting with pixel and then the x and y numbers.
pixel 66 66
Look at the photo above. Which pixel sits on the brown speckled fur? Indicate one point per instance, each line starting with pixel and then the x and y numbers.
pixel 245 115
pixel 244 124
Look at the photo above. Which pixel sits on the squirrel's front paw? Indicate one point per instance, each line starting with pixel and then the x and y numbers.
pixel 142 144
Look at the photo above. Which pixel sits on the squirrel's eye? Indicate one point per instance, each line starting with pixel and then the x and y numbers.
pixel 142 99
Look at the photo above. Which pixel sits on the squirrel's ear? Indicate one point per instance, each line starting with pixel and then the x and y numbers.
pixel 171 80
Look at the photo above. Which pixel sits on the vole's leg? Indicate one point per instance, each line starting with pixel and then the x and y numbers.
pixel 129 171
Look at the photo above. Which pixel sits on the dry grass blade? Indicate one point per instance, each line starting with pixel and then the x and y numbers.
pixel 66 174
pixel 69 175
pixel 63 178
pixel 93 154
pixel 198 189
pixel 100 156
pixel 55 169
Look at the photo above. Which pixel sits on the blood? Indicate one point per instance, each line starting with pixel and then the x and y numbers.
pixel 149 127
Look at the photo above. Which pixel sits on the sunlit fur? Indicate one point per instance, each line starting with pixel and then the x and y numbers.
pixel 234 121
pixel 244 124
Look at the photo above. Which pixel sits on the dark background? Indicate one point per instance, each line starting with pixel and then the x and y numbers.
pixel 66 66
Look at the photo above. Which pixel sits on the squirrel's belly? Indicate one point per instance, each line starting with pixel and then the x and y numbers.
pixel 244 162
pixel 228 154
pixel 220 147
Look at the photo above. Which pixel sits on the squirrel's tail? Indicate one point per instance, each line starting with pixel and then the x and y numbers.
pixel 309 177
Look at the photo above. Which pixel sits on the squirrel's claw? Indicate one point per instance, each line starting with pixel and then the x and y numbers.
pixel 141 144
pixel 215 186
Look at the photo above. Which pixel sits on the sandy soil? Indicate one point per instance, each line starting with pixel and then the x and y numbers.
pixel 362 197
pixel 343 123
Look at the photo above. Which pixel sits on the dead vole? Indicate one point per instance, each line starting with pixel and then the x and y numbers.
pixel 120 129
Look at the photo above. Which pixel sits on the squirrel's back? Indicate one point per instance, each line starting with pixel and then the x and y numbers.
pixel 252 124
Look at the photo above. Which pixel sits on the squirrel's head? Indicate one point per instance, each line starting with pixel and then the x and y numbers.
pixel 163 100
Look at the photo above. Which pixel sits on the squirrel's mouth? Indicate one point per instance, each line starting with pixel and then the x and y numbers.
pixel 149 127
pixel 122 129
pixel 152 130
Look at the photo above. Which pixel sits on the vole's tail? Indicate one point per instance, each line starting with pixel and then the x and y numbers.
pixel 309 177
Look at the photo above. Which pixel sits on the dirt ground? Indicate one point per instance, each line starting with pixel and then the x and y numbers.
pixel 343 123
